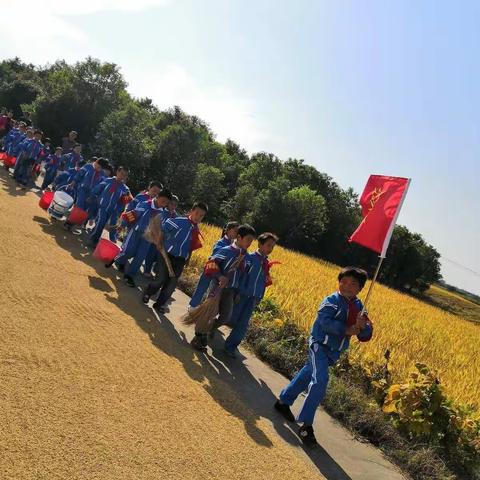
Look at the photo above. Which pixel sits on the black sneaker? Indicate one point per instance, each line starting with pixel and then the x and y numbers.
pixel 129 281
pixel 120 267
pixel 145 298
pixel 305 432
pixel 159 308
pixel 285 411
pixel 109 264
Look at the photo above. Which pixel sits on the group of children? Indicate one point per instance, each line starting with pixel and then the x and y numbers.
pixel 162 241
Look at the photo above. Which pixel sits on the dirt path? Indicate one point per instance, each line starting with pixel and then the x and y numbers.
pixel 93 387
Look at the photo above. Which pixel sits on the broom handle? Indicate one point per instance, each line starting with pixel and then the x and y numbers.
pixel 164 254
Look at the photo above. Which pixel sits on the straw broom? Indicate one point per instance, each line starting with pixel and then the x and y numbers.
pixel 204 315
pixel 154 234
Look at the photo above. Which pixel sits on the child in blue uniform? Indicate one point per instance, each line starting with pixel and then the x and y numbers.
pixel 181 238
pixel 52 164
pixel 229 234
pixel 222 274
pixel 113 195
pixel 136 247
pixel 27 153
pixel 86 179
pixel 339 318
pixel 252 289
pixel 72 159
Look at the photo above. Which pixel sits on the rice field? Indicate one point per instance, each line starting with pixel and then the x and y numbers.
pixel 412 330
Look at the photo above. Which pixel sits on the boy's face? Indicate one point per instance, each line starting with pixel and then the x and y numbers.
pixel 172 205
pixel 58 153
pixel 38 136
pixel 77 150
pixel 122 175
pixel 349 287
pixel 153 192
pixel 245 242
pixel 232 233
pixel 22 129
pixel 97 166
pixel 197 215
pixel 161 202
pixel 267 248
pixel 29 134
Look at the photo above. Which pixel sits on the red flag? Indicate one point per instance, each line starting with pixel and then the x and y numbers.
pixel 381 202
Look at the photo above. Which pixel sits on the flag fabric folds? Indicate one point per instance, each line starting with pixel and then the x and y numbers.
pixel 381 202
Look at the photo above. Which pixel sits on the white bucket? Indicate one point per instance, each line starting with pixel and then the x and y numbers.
pixel 63 199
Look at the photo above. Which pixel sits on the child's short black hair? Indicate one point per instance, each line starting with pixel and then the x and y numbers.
pixel 246 229
pixel 266 236
pixel 175 198
pixel 122 169
pixel 59 148
pixel 37 132
pixel 94 159
pixel 109 168
pixel 103 162
pixel 47 140
pixel 357 273
pixel 155 183
pixel 201 205
pixel 165 193
pixel 229 226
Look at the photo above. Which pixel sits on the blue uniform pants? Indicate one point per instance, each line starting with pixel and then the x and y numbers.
pixel 83 193
pixel 242 312
pixel 48 178
pixel 200 290
pixel 21 171
pixel 152 257
pixel 136 248
pixel 103 216
pixel 313 375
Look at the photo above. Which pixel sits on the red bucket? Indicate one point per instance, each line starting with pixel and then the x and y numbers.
pixel 3 156
pixel 77 216
pixel 10 161
pixel 46 199
pixel 106 250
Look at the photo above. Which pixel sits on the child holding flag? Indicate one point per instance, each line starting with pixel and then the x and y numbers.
pixel 339 317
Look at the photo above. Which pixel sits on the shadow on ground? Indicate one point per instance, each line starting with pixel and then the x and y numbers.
pixel 226 380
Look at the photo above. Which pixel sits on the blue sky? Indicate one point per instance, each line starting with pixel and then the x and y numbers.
pixel 352 87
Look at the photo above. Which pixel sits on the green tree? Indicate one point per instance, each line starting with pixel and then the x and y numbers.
pixel 208 188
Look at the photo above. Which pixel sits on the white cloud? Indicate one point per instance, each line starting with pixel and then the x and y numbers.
pixel 49 32
pixel 229 115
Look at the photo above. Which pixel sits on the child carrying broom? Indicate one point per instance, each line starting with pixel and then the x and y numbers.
pixel 224 268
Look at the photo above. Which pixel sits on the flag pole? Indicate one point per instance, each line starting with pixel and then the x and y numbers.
pixel 370 288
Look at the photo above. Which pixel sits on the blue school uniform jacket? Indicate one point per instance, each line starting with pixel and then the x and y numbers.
pixel 16 142
pixel 144 212
pixel 178 233
pixel 64 178
pixel 331 323
pixel 71 160
pixel 254 280
pixel 223 242
pixel 30 147
pixel 52 163
pixel 10 137
pixel 88 177
pixel 110 193
pixel 224 259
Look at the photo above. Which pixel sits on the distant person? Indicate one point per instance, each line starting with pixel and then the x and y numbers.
pixel 339 318
pixel 69 142
pixel 113 196
pixel 52 164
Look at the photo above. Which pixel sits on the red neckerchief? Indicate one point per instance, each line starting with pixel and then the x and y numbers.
pixel 114 186
pixel 196 235
pixel 352 310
